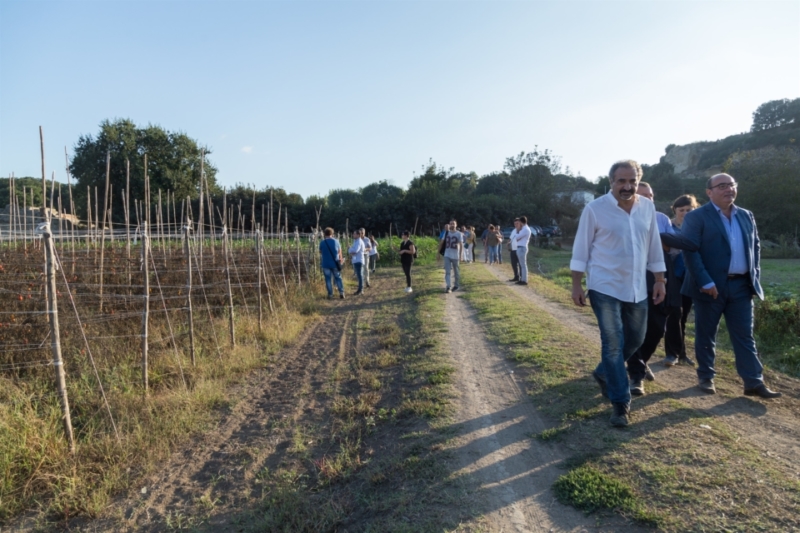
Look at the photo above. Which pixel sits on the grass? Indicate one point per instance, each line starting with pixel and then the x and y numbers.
pixel 671 457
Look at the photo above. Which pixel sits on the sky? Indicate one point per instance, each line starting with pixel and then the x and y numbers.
pixel 316 96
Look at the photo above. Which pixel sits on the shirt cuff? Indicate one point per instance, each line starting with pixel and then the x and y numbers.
pixel 657 267
pixel 708 285
pixel 577 266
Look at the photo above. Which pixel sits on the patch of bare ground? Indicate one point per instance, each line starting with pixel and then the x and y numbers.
pixel 496 450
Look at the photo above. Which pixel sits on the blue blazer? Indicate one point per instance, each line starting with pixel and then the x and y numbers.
pixel 707 252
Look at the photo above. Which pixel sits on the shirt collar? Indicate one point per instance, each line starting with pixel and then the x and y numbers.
pixel 734 209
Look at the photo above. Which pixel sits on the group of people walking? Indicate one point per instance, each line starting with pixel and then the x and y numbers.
pixel 644 273
pixel 363 254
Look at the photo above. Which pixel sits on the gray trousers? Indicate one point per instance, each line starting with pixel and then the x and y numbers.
pixel 454 264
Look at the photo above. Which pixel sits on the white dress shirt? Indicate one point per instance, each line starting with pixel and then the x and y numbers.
pixel 615 248
pixel 513 240
pixel 523 236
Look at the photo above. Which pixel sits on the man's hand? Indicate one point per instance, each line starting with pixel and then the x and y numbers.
pixel 578 296
pixel 712 291
pixel 659 292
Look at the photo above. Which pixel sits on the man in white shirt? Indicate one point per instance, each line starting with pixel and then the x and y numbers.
pixel 367 250
pixel 522 238
pixel 512 246
pixel 616 243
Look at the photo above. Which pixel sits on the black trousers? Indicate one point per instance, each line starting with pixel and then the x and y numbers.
pixel 407 272
pixel 656 324
pixel 515 265
pixel 675 337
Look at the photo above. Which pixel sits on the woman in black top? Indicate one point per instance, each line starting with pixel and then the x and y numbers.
pixel 407 251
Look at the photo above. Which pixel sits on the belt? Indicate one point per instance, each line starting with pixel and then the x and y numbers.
pixel 737 276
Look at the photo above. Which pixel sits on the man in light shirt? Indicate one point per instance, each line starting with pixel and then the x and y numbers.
pixel 367 251
pixel 512 246
pixel 522 237
pixel 616 243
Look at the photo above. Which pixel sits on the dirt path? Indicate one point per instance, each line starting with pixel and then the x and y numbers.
pixel 495 449
pixel 772 426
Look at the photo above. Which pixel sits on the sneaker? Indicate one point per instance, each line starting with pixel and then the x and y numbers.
pixel 369 286
pixel 330 297
pixel 513 280
pixel 619 418
pixel 670 360
pixel 637 387
pixel 686 361
pixel 648 374
pixel 341 296
pixel 522 283
pixel 707 385
pixel 409 289
pixel 447 290
pixel 455 288
pixel 602 382
pixel 358 293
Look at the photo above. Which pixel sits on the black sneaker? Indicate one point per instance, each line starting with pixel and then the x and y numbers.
pixel 358 293
pixel 341 296
pixel 522 283
pixel 636 387
pixel 447 290
pixel 686 361
pixel 513 280
pixel 619 418
pixel 648 374
pixel 330 297
pixel 455 288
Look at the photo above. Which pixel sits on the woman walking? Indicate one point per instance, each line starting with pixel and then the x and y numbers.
pixel 675 334
pixel 407 251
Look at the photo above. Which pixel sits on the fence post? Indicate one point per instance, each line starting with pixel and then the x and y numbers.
pixel 258 275
pixel 188 253
pixel 146 290
pixel 55 337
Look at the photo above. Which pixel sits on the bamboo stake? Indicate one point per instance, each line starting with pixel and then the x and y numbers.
pixel 258 281
pixel 55 338
pixel 44 178
pixel 200 229
pixel 146 275
pixel 103 237
pixel 228 271
pixel 188 254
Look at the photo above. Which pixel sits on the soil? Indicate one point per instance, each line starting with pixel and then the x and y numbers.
pixel 772 426
pixel 511 471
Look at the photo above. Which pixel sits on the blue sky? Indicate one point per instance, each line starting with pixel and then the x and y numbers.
pixel 312 96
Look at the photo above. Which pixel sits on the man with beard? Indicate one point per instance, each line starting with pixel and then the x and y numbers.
pixel 616 243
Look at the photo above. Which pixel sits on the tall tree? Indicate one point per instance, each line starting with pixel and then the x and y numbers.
pixel 173 161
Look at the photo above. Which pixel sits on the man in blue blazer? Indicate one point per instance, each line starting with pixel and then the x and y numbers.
pixel 722 255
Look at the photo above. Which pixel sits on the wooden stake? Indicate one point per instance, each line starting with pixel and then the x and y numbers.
pixel 103 229
pixel 145 275
pixel 187 251
pixel 228 272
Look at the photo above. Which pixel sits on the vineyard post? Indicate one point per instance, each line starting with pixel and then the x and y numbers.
pixel 25 217
pixel 71 212
pixel 145 274
pixel 55 337
pixel 88 216
pixel 258 276
pixel 297 240
pixel 228 281
pixel 44 180
pixel 200 229
pixel 188 252
pixel 96 223
pixel 103 237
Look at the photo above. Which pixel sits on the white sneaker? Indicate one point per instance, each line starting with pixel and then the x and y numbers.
pixel 409 289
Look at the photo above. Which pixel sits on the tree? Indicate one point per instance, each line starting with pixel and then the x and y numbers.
pixel 173 161
pixel 776 113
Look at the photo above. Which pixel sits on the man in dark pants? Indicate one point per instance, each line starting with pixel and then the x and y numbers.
pixel 512 246
pixel 657 315
pixel 723 254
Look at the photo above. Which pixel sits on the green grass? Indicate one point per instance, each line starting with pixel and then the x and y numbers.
pixel 670 457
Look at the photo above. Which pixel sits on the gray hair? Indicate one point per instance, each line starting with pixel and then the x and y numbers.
pixel 710 181
pixel 626 163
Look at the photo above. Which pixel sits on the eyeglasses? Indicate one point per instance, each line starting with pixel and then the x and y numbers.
pixel 725 185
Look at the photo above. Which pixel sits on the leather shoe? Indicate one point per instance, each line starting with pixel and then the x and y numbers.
pixel 707 385
pixel 763 392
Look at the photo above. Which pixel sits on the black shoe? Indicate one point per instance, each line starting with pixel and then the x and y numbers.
pixel 648 374
pixel 522 283
pixel 762 392
pixel 330 297
pixel 686 361
pixel 602 382
pixel 707 385
pixel 447 290
pixel 637 387
pixel 619 418
pixel 369 286
pixel 341 296
pixel 358 293
pixel 455 288
pixel 514 280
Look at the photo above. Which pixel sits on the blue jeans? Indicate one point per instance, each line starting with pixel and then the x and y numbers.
pixel 736 304
pixel 336 275
pixel 622 329
pixel 492 254
pixel 522 257
pixel 359 268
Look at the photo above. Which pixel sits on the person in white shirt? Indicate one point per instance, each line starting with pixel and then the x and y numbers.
pixel 522 237
pixel 356 252
pixel 616 243
pixel 367 251
pixel 512 247
pixel 373 253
